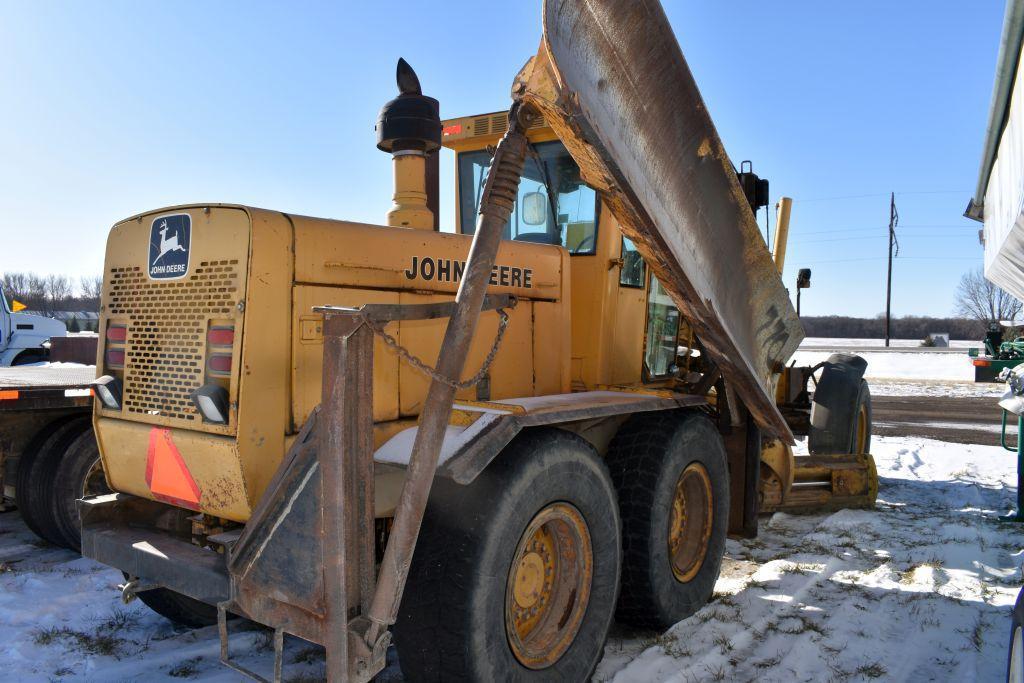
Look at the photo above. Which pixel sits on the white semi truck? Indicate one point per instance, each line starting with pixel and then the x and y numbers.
pixel 23 335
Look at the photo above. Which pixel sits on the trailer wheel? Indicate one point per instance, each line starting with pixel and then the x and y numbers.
pixel 672 479
pixel 515 576
pixel 840 418
pixel 179 609
pixel 77 473
pixel 34 483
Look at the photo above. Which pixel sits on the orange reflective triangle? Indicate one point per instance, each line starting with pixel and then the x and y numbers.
pixel 167 474
pixel 17 306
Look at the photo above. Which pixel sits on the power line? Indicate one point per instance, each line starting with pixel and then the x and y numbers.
pixel 902 258
pixel 878 194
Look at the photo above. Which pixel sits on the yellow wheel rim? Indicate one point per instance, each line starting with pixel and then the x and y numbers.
pixel 690 523
pixel 862 430
pixel 548 585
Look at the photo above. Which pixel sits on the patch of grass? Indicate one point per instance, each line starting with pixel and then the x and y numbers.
pixel 976 636
pixel 722 641
pixel 187 669
pixel 727 599
pixel 6 568
pixel 871 670
pixel 119 619
pixel 264 641
pixel 670 644
pixel 769 663
pixel 308 655
pixel 716 673
pixel 96 643
pixel 64 671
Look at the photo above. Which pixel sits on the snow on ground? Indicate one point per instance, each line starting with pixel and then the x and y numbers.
pixel 918 589
pixel 838 342
pixel 931 366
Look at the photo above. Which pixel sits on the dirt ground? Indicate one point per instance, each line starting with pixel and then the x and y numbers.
pixel 967 420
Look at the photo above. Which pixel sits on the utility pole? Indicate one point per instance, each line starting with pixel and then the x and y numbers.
pixel 894 219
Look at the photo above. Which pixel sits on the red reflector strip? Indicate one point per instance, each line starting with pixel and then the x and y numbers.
pixel 167 475
pixel 219 364
pixel 979 363
pixel 220 336
pixel 117 333
pixel 115 358
pixel 9 395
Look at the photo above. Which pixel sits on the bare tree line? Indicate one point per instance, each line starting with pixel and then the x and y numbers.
pixel 51 293
pixel 907 327
pixel 980 299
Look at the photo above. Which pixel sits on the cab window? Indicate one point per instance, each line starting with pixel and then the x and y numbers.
pixel 633 270
pixel 554 206
pixel 662 332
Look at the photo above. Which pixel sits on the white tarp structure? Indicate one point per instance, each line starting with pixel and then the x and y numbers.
pixel 999 199
pixel 1004 200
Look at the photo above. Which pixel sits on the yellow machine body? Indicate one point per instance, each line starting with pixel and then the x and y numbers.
pixel 261 273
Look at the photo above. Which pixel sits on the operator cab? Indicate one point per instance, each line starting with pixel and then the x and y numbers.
pixel 625 328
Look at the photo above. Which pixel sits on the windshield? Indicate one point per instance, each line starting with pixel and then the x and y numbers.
pixel 566 215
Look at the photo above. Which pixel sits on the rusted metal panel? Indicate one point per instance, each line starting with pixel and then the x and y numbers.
pixel 628 109
pixel 467 450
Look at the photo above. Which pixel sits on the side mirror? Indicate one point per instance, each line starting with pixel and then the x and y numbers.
pixel 535 208
pixel 803 278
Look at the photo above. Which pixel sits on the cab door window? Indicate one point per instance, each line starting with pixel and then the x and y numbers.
pixel 662 332
pixel 553 206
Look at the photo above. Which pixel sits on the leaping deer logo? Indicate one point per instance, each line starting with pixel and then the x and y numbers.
pixel 167 245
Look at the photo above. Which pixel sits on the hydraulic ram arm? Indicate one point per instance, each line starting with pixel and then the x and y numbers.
pixel 611 81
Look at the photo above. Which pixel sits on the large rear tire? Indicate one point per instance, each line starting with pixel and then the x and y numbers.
pixel 672 478
pixel 77 473
pixel 515 576
pixel 34 484
pixel 179 609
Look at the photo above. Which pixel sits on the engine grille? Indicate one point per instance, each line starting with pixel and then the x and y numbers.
pixel 167 324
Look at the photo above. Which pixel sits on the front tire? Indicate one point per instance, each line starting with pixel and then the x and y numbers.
pixel 672 478
pixel 841 409
pixel 515 577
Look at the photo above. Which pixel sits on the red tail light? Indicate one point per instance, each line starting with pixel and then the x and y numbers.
pixel 219 365
pixel 117 333
pixel 221 336
pixel 115 359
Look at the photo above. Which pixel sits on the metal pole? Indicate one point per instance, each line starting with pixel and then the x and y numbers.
pixel 345 458
pixel 888 286
pixel 496 205
pixel 782 210
pixel 1020 467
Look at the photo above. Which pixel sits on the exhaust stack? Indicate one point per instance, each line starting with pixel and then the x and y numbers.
pixel 409 127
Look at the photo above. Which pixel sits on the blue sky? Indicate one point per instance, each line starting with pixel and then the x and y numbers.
pixel 110 109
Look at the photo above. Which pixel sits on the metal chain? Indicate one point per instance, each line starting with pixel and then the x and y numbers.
pixel 433 373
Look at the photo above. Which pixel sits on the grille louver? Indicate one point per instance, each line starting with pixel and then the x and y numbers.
pixel 167 324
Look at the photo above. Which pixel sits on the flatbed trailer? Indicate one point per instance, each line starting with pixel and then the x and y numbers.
pixel 45 430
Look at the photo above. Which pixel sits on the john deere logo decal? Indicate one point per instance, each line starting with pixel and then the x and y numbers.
pixel 169 240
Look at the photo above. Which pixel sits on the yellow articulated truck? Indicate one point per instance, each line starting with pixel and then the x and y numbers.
pixel 485 444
